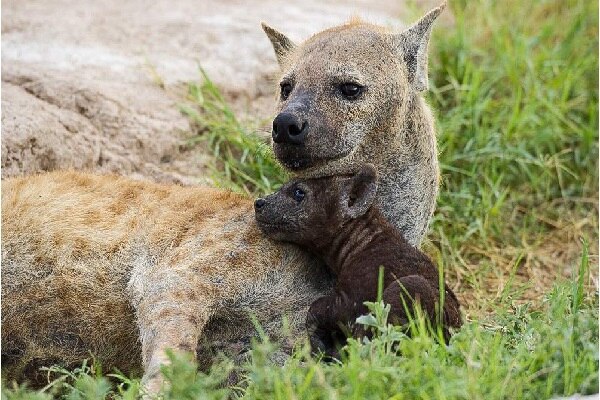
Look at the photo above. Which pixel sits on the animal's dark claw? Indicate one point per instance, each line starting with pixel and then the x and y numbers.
pixel 325 344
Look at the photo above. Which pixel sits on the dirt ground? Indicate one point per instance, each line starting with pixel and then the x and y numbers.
pixel 80 79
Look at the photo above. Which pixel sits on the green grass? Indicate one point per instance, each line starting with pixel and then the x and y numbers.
pixel 514 86
pixel 515 89
pixel 526 355
pixel 244 162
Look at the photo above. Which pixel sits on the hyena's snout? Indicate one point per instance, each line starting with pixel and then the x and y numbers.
pixel 259 204
pixel 288 128
pixel 268 213
pixel 261 212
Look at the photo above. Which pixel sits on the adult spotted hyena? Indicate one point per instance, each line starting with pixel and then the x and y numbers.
pixel 351 94
pixel 125 270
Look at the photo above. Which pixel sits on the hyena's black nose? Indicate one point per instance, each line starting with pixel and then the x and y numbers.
pixel 259 203
pixel 287 128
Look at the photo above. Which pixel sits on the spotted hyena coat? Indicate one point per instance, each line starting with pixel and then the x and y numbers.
pixel 125 270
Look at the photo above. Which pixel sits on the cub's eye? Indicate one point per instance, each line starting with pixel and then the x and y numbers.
pixel 299 195
pixel 286 89
pixel 351 90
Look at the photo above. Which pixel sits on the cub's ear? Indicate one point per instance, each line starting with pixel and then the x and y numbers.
pixel 358 194
pixel 281 43
pixel 412 45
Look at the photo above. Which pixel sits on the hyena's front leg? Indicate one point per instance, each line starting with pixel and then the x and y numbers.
pixel 173 308
pixel 176 327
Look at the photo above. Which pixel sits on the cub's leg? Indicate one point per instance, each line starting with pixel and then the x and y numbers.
pixel 413 289
pixel 410 290
pixel 329 321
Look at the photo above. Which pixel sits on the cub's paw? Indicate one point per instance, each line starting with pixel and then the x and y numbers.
pixel 327 344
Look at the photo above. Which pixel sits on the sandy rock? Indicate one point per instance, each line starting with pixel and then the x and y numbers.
pixel 40 136
pixel 51 122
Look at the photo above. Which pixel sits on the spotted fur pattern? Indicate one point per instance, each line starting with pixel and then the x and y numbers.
pixel 123 270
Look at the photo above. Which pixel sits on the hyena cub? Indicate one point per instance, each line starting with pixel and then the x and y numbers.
pixel 334 217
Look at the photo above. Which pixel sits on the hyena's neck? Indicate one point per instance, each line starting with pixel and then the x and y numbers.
pixel 409 172
pixel 404 151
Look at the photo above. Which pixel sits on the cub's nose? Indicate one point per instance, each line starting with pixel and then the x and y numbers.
pixel 287 128
pixel 259 203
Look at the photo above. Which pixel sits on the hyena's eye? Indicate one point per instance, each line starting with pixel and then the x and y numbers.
pixel 299 195
pixel 286 89
pixel 351 90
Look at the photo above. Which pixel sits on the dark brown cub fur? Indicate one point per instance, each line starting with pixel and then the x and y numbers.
pixel 334 217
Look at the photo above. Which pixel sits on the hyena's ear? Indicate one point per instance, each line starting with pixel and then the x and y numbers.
pixel 358 193
pixel 281 43
pixel 412 45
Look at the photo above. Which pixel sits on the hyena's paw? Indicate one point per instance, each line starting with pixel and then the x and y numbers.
pixel 326 344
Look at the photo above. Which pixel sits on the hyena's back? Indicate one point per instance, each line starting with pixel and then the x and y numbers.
pixel 63 279
pixel 72 242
